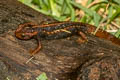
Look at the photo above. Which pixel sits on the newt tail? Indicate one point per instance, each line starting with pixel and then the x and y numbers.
pixel 59 30
pixel 104 35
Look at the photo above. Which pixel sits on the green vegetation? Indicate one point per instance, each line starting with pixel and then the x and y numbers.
pixel 42 77
pixel 104 14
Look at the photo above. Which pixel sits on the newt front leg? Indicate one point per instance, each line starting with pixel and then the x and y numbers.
pixel 33 52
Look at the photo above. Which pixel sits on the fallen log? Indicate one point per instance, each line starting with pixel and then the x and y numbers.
pixel 62 59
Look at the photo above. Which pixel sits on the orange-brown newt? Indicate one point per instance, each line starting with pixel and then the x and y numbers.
pixel 59 30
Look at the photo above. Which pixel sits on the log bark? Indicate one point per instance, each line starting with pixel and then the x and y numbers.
pixel 62 59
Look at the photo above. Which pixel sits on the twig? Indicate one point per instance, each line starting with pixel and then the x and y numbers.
pixel 29 60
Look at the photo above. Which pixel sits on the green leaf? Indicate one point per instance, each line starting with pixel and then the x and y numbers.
pixel 42 77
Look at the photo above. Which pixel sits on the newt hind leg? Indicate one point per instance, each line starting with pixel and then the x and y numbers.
pixel 83 38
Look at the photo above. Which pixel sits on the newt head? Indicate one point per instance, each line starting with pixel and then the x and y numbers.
pixel 25 31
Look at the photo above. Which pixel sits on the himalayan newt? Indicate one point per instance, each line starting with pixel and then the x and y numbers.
pixel 59 30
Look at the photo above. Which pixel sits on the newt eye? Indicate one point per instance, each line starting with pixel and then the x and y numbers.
pixel 23 35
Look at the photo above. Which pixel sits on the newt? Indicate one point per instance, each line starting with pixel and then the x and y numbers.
pixel 59 30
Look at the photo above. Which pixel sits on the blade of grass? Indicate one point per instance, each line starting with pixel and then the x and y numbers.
pixel 71 10
pixel 88 11
pixel 53 6
pixel 42 5
pixel 89 1
pixel 27 2
pixel 96 19
pixel 117 13
pixel 91 13
pixel 114 15
pixel 83 19
pixel 110 11
pixel 117 1
pixel 64 7
pixel 117 34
